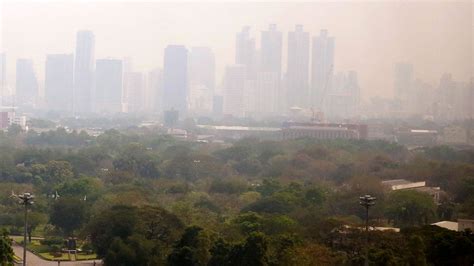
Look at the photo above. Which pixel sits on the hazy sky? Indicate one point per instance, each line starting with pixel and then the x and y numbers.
pixel 436 37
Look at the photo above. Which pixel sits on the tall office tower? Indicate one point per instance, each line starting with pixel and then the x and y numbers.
pixel 108 85
pixel 271 49
pixel 175 79
pixel 322 68
pixel 154 90
pixel 3 76
pixel 234 90
pixel 298 68
pixel 84 72
pixel 270 64
pixel 266 93
pixel 245 53
pixel 201 79
pixel 59 81
pixel 404 85
pixel 343 100
pixel 26 82
pixel 135 92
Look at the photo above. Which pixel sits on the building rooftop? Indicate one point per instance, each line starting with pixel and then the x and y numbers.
pixel 448 225
pixel 396 184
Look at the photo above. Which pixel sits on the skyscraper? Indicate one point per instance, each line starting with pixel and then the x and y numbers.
pixel 59 81
pixel 234 89
pixel 201 79
pixel 3 75
pixel 26 82
pixel 136 91
pixel 175 78
pixel 108 85
pixel 298 68
pixel 154 88
pixel 271 49
pixel 245 53
pixel 403 80
pixel 322 68
pixel 342 101
pixel 84 71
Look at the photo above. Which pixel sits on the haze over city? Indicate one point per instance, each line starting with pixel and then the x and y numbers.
pixel 236 133
pixel 371 37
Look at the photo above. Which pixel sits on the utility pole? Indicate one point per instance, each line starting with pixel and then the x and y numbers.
pixel 367 201
pixel 25 200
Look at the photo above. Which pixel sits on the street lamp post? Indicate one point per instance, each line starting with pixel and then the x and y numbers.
pixel 367 201
pixel 25 200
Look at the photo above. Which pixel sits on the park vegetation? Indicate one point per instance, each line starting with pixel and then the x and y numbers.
pixel 136 197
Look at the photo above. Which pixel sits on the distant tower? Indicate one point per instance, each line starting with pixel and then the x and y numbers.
pixel 245 53
pixel 298 68
pixel 154 88
pixel 136 91
pixel 403 81
pixel 322 68
pixel 175 79
pixel 3 76
pixel 109 85
pixel 271 45
pixel 59 81
pixel 234 88
pixel 26 82
pixel 84 72
pixel 201 79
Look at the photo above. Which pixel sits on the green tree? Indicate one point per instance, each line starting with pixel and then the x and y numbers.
pixel 68 214
pixel 410 208
pixel 254 251
pixel 192 249
pixel 6 251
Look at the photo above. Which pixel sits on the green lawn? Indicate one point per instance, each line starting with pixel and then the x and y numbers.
pixel 47 256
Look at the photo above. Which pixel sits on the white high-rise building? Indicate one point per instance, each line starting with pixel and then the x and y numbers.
pixel 201 80
pixel 135 92
pixel 109 86
pixel 234 89
pixel 154 90
pixel 26 84
pixel 3 75
pixel 271 50
pixel 84 72
pixel 297 77
pixel 59 82
pixel 245 52
pixel 322 68
pixel 175 79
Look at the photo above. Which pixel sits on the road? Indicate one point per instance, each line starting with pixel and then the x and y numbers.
pixel 33 260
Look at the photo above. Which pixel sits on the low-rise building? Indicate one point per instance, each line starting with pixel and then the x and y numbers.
pixel 402 184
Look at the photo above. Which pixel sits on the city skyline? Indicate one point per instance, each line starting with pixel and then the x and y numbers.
pixel 357 49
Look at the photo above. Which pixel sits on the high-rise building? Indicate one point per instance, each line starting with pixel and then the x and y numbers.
pixel 404 85
pixel 245 53
pixel 154 90
pixel 59 81
pixel 175 79
pixel 297 77
pixel 342 101
pixel 234 89
pixel 108 85
pixel 84 72
pixel 266 93
pixel 135 97
pixel 271 50
pixel 26 82
pixel 321 68
pixel 201 79
pixel 3 74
